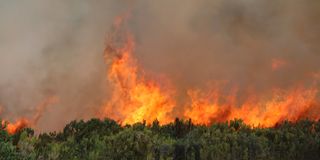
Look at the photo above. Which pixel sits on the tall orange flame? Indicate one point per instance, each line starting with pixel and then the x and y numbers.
pixel 135 98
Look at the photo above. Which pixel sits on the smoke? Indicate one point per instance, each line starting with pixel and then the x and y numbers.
pixel 230 39
pixel 56 49
pixel 53 49
pixel 198 42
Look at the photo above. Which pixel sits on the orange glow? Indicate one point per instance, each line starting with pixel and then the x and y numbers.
pixel 28 122
pixel 282 105
pixel 14 127
pixel 134 98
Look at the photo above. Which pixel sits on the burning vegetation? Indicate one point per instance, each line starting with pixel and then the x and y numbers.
pixel 29 122
pixel 136 98
pixel 14 127
pixel 252 106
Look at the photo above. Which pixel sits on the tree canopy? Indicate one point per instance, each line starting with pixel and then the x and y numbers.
pixel 179 140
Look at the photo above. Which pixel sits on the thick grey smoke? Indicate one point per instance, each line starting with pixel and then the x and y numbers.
pixel 230 39
pixel 55 48
pixel 248 43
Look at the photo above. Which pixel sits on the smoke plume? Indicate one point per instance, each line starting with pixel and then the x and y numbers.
pixel 55 49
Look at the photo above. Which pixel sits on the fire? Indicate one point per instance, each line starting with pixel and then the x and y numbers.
pixel 14 127
pixel 282 105
pixel 134 97
pixel 26 122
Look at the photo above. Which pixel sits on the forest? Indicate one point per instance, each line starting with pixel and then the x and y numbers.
pixel 179 140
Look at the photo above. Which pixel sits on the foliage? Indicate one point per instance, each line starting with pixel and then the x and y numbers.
pixel 106 139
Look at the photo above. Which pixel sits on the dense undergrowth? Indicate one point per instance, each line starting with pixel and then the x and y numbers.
pixel 106 139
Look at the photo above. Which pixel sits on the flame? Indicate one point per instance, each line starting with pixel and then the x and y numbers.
pixel 25 122
pixel 14 127
pixel 134 98
pixel 282 105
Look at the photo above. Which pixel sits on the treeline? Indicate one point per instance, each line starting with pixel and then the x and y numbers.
pixel 179 140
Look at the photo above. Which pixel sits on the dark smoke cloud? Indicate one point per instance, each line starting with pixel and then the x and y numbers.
pixel 56 48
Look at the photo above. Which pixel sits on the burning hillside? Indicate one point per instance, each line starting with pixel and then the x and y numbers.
pixel 136 98
pixel 208 61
